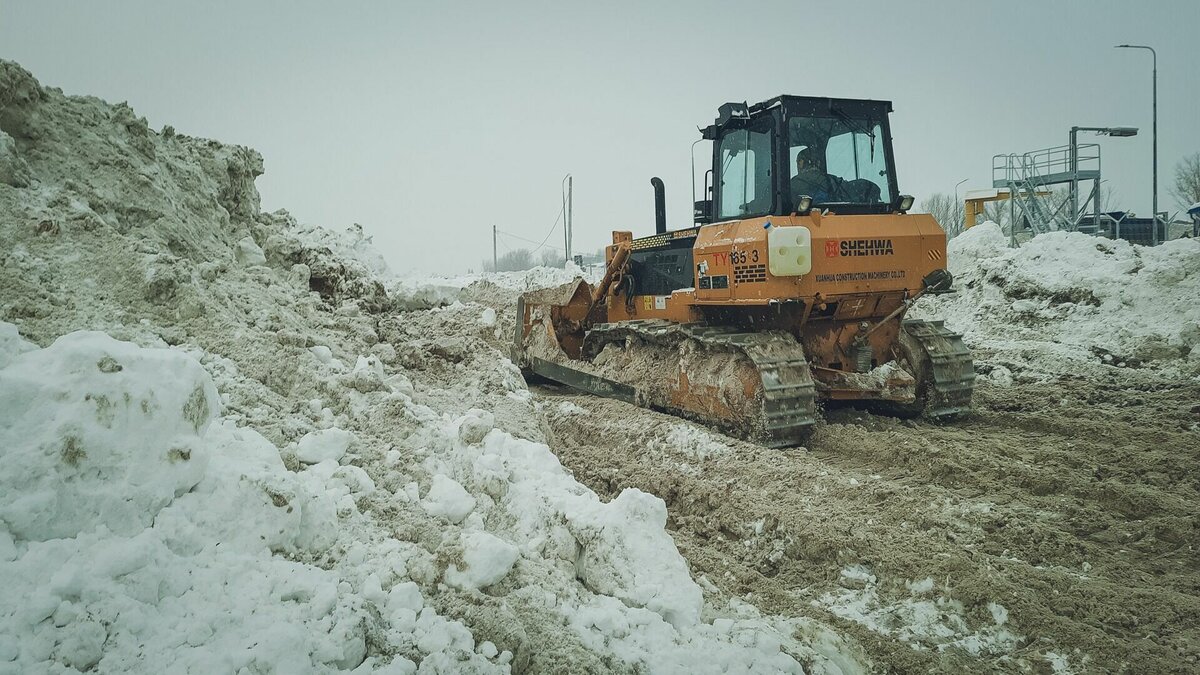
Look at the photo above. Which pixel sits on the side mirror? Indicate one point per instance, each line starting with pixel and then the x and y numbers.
pixel 702 212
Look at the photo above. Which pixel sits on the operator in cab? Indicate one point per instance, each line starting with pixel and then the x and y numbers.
pixel 809 179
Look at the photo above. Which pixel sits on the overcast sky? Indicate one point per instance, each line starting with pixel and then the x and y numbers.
pixel 430 122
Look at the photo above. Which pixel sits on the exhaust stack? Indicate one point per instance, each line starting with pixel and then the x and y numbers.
pixel 660 206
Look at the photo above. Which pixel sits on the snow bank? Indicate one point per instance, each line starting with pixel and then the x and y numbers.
pixel 538 277
pixel 138 534
pixel 433 291
pixel 351 245
pixel 638 601
pixel 1065 298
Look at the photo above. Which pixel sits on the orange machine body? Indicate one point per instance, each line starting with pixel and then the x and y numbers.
pixel 863 268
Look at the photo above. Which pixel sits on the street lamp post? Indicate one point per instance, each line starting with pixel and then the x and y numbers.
pixel 958 225
pixel 1074 167
pixel 1154 141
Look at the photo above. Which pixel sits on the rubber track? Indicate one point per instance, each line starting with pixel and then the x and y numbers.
pixel 788 394
pixel 953 371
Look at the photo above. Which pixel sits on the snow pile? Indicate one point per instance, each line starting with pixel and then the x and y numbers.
pixel 540 277
pixel 253 458
pixel 638 602
pixel 66 413
pixel 351 245
pixel 431 291
pixel 1066 300
pixel 137 533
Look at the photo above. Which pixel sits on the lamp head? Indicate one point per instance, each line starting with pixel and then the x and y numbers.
pixel 1121 132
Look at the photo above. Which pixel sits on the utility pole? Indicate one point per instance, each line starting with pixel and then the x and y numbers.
pixel 570 214
pixel 565 186
pixel 494 260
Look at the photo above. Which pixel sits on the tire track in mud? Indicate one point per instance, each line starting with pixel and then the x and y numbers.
pixel 1072 505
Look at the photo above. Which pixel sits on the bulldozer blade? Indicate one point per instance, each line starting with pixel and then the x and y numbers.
pixel 585 382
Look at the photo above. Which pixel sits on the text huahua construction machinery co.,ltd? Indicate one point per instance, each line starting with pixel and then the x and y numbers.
pixel 791 287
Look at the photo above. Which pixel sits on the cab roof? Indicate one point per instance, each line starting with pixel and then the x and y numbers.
pixel 736 114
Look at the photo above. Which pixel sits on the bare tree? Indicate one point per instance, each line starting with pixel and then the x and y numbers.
pixel 515 261
pixel 997 212
pixel 1187 180
pixel 945 210
pixel 552 258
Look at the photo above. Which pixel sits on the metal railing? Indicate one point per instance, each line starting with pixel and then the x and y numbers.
pixel 1049 165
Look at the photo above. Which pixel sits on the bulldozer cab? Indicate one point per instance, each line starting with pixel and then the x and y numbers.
pixel 766 157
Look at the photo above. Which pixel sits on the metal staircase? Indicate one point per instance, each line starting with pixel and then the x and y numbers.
pixel 1029 176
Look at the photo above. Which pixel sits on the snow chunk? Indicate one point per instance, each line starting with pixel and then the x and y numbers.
pixel 488 559
pixel 249 253
pixel 12 344
pixel 627 554
pixel 925 620
pixel 475 425
pixel 694 442
pixel 94 431
pixel 423 293
pixel 448 499
pixel 323 445
pixel 405 595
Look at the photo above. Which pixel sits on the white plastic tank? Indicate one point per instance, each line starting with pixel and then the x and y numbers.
pixel 789 250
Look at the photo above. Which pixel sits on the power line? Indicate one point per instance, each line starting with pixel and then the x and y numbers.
pixel 553 227
pixel 542 245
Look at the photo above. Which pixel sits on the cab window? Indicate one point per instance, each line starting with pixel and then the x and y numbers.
pixel 745 180
pixel 845 160
pixel 857 159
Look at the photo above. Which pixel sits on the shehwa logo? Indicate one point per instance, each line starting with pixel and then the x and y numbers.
pixel 857 247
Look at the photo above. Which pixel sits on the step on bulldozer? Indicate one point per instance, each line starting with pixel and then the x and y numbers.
pixel 791 286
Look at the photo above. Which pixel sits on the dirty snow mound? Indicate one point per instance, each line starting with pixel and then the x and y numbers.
pixel 142 535
pixel 230 446
pixel 1067 300
pixel 65 418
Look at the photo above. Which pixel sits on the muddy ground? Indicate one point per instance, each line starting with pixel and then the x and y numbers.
pixel 1072 505
pixel 1055 529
